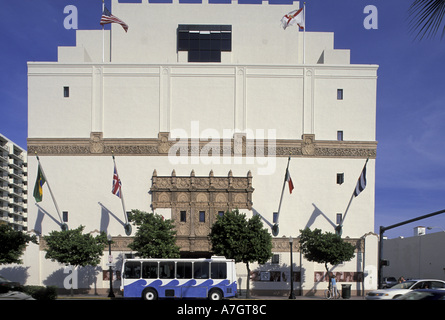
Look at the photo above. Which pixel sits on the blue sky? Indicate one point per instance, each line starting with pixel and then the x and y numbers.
pixel 410 167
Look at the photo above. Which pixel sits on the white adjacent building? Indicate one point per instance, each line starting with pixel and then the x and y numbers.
pixel 13 184
pixel 202 104
pixel 415 257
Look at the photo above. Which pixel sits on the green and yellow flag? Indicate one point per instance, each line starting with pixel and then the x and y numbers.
pixel 38 187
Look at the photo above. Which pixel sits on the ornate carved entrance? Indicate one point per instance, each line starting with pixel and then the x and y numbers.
pixel 196 202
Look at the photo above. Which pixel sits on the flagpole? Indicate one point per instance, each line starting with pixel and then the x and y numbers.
pixel 304 33
pixel 275 226
pixel 50 191
pixel 103 34
pixel 111 31
pixel 111 37
pixel 340 226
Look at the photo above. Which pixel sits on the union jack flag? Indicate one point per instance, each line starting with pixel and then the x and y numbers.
pixel 107 17
pixel 116 183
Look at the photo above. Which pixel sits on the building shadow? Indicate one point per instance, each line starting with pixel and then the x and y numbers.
pixel 41 213
pixel 105 218
pixel 256 213
pixel 15 274
pixel 316 214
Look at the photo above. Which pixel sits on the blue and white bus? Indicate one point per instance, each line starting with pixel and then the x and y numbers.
pixel 151 279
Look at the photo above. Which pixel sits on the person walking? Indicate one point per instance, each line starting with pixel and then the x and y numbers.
pixel 335 293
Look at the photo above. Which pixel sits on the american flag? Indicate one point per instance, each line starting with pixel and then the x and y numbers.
pixel 116 183
pixel 107 17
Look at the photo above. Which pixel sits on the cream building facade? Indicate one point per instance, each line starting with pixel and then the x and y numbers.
pixel 202 104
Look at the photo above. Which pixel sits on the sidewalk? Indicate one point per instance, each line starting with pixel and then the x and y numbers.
pixel 296 298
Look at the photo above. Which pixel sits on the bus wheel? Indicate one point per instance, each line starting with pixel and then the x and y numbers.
pixel 215 294
pixel 150 294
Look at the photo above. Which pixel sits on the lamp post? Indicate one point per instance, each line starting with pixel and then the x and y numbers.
pixel 292 295
pixel 110 270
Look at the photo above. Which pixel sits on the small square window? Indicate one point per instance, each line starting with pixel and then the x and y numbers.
pixel 66 92
pixel 275 259
pixel 183 216
pixel 339 218
pixel 339 135
pixel 221 213
pixel 202 216
pixel 275 217
pixel 340 178
pixel 339 94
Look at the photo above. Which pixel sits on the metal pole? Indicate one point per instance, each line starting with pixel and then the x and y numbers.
pixel 292 295
pixel 379 274
pixel 121 193
pixel 110 270
pixel 103 35
pixel 304 33
pixel 275 226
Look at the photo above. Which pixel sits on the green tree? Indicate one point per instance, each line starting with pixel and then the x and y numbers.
pixel 326 248
pixel 155 237
pixel 236 237
pixel 74 248
pixel 12 244
pixel 71 247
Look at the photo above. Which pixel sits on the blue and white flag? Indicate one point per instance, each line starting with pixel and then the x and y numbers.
pixel 361 183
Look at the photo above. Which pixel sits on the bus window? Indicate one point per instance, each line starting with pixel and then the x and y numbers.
pixel 167 270
pixel 219 270
pixel 201 270
pixel 183 270
pixel 149 270
pixel 132 270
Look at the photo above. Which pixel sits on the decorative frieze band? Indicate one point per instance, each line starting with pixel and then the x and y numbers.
pixel 308 146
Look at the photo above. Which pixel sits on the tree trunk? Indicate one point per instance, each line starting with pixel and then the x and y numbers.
pixel 329 275
pixel 248 281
